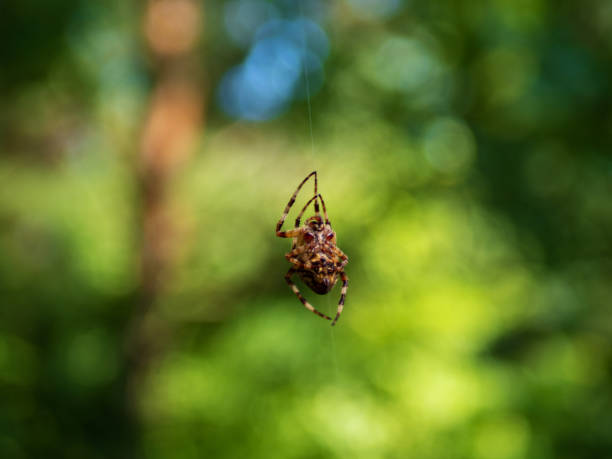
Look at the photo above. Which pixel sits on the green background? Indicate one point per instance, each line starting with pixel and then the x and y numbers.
pixel 463 150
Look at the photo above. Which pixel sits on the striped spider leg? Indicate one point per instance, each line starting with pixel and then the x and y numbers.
pixel 316 259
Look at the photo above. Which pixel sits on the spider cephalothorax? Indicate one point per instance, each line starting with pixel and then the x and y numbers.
pixel 314 255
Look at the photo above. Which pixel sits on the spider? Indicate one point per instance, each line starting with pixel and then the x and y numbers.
pixel 314 255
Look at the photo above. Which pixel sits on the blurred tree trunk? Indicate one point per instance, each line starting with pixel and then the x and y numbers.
pixel 171 29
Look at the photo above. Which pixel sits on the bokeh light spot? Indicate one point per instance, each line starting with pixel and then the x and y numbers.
pixel 407 64
pixel 261 88
pixel 271 76
pixel 449 145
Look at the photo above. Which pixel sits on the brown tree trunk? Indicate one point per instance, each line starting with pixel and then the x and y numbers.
pixel 174 120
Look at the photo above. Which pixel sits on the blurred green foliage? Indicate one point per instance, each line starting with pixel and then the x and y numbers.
pixel 463 150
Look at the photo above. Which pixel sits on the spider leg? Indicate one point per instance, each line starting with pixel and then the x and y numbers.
pixel 306 304
pixel 342 296
pixel 291 233
pixel 292 200
pixel 299 217
pixel 324 210
pixel 341 255
pixel 291 257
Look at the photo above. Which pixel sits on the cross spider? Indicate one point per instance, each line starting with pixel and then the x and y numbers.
pixel 314 255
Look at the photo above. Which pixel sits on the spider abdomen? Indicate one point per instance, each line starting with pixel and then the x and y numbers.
pixel 320 283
